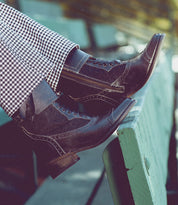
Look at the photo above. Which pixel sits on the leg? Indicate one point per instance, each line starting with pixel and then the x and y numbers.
pixel 55 132
pixel 33 36
pixel 30 53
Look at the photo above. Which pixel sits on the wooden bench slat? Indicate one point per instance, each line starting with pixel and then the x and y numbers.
pixel 144 137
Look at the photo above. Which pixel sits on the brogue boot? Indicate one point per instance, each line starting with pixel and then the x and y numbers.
pixel 57 133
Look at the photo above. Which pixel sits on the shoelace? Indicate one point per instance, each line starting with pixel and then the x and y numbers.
pixel 104 63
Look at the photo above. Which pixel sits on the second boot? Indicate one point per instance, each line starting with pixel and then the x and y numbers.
pixel 57 133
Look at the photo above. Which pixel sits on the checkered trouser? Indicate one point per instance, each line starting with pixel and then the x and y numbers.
pixel 29 52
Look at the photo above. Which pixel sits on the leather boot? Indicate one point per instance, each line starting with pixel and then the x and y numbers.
pixel 57 133
pixel 106 84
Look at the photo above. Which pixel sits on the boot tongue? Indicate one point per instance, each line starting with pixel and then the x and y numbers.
pixel 43 96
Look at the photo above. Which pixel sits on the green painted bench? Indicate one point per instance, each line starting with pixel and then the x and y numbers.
pixel 143 143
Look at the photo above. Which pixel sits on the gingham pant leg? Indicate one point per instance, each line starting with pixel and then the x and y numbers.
pixel 21 69
pixel 17 80
pixel 48 43
pixel 29 53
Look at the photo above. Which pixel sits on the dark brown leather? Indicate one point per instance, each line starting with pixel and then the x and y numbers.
pixel 108 82
pixel 55 131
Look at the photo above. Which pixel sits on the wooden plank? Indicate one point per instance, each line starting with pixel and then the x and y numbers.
pixel 144 137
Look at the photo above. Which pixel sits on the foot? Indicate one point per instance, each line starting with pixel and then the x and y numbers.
pixel 87 79
pixel 57 133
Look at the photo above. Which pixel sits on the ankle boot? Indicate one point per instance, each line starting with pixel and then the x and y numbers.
pixel 57 133
pixel 101 83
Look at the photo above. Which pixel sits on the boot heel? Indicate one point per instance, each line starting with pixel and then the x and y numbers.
pixel 60 164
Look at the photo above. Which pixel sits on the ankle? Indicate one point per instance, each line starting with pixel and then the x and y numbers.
pixel 76 59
